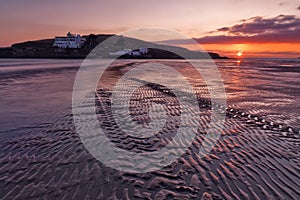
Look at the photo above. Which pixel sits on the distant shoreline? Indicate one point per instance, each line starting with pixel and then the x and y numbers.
pixel 7 53
pixel 43 49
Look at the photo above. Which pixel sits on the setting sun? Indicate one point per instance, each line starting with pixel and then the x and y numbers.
pixel 240 53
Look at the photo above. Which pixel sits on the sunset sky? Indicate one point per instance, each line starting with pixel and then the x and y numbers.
pixel 268 28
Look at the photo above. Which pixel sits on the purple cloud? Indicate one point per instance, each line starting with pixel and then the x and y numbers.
pixel 223 29
pixel 283 28
pixel 282 36
pixel 260 25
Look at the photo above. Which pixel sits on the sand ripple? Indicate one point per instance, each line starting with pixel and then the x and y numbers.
pixel 254 158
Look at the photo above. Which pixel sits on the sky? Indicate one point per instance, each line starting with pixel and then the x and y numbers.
pixel 257 28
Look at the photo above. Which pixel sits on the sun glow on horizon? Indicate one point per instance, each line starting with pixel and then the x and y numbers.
pixel 239 54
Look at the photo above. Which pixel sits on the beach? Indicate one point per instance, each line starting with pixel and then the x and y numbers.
pixel 256 156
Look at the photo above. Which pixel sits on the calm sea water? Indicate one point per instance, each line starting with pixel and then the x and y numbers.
pixel 35 92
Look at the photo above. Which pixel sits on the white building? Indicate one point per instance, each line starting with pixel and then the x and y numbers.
pixel 69 41
pixel 143 50
pixel 121 53
pixel 129 52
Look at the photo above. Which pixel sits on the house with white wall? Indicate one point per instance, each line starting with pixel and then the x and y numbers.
pixel 69 41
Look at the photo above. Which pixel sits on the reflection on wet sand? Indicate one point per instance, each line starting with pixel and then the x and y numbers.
pixel 256 157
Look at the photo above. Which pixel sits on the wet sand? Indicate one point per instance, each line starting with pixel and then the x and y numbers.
pixel 255 157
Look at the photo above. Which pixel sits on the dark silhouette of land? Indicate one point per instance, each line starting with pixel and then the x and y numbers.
pixel 44 49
